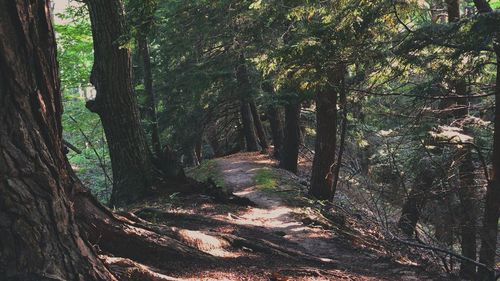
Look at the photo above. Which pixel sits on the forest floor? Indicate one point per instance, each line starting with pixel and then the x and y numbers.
pixel 287 238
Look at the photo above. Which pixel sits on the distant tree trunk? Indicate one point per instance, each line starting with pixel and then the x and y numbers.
pixel 276 122
pixel 40 239
pixel 274 115
pixel 466 192
pixel 343 133
pixel 416 200
pixel 326 137
pixel 258 126
pixel 246 113
pixel 468 216
pixel 190 159
pixel 150 95
pixel 290 153
pixel 116 105
pixel 198 149
pixel 487 253
pixel 248 127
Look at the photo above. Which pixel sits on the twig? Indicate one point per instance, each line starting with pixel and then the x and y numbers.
pixel 101 163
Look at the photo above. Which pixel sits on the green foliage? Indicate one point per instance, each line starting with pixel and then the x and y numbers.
pixel 81 128
pixel 74 48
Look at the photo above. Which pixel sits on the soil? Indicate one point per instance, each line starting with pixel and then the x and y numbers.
pixel 294 248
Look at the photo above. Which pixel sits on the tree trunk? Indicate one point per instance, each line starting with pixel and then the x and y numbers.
pixel 246 113
pixel 150 95
pixel 468 216
pixel 199 149
pixel 116 105
pixel 248 127
pixel 290 152
pixel 466 192
pixel 343 133
pixel 258 126
pixel 326 138
pixel 275 120
pixel 39 236
pixel 416 199
pixel 487 253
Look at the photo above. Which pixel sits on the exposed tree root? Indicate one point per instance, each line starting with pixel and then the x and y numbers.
pixel 120 236
pixel 129 270
pixel 209 241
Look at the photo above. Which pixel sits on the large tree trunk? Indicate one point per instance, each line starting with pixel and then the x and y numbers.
pixel 116 105
pixel 290 154
pixel 275 120
pixel 39 237
pixel 487 253
pixel 258 126
pixel 326 138
pixel 150 95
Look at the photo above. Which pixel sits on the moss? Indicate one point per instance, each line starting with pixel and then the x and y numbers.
pixel 266 179
pixel 208 169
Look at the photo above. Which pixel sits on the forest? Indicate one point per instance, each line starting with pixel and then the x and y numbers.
pixel 249 140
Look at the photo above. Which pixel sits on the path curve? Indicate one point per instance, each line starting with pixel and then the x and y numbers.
pixel 274 215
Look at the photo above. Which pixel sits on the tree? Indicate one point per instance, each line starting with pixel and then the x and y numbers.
pixel 322 177
pixel 247 119
pixel 259 128
pixel 141 16
pixel 116 104
pixel 40 237
pixel 487 253
pixel 290 150
pixel 466 190
pixel 150 95
pixel 275 120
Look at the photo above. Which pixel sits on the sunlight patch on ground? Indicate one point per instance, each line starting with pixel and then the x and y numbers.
pixel 206 243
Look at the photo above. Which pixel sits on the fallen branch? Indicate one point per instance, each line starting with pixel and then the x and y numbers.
pixel 445 251
pixel 72 147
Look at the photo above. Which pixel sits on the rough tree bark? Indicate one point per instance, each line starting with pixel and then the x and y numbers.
pixel 40 238
pixel 326 137
pixel 290 152
pixel 150 94
pixel 116 105
pixel 487 253
pixel 275 120
pixel 259 128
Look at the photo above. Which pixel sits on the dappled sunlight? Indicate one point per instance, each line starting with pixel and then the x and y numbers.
pixel 212 245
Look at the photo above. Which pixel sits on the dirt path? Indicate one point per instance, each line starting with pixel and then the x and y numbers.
pixel 271 212
pixel 274 216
